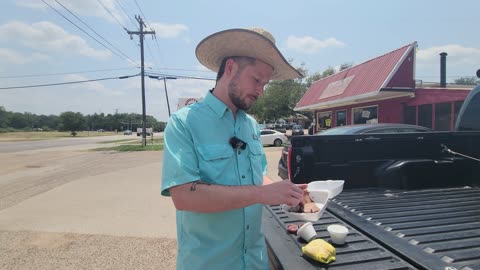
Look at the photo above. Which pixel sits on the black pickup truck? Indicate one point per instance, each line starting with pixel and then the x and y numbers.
pixel 410 200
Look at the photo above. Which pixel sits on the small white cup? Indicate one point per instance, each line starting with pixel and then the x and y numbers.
pixel 307 232
pixel 338 233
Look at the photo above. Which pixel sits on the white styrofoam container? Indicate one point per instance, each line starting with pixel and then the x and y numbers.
pixel 334 187
pixel 321 200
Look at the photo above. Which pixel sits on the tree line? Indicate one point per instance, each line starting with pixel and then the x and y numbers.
pixel 277 102
pixel 74 121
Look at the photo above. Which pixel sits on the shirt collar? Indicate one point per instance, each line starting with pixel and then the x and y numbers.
pixel 218 106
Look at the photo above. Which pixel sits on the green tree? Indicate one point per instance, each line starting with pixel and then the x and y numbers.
pixel 467 81
pixel 73 122
pixel 18 120
pixel 278 100
pixel 3 117
pixel 46 122
pixel 345 66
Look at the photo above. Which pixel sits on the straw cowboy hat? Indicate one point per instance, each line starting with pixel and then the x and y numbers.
pixel 257 43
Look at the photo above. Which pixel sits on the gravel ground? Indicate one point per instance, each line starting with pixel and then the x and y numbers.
pixel 41 250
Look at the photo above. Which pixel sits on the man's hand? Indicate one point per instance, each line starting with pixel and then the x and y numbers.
pixel 282 192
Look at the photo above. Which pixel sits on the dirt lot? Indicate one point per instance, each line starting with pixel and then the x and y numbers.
pixel 69 208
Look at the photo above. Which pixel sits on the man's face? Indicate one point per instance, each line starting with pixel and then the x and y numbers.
pixel 248 83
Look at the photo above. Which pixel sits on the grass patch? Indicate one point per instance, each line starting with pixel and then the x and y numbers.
pixel 132 147
pixel 136 145
pixel 118 141
pixel 48 135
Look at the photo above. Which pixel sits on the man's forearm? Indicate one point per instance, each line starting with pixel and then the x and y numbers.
pixel 201 197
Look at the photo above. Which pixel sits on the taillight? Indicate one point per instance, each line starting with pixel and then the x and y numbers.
pixel 289 167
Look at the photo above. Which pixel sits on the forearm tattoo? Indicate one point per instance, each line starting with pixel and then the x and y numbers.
pixel 193 187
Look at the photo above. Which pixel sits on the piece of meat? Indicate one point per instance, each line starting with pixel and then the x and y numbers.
pixel 310 208
pixel 306 197
pixel 307 205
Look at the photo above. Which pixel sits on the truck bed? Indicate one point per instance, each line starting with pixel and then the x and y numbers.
pixel 389 229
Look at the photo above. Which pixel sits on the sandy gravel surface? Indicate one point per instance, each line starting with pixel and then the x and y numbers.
pixel 40 250
pixel 70 208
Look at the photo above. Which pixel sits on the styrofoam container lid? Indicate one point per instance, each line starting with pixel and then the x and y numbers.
pixel 334 187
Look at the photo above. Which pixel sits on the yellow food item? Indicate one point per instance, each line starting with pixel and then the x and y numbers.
pixel 320 250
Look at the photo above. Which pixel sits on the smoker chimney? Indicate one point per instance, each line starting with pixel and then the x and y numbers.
pixel 443 69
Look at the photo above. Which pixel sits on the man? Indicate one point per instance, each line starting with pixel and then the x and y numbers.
pixel 214 167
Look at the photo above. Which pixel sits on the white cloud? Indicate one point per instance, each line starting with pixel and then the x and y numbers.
pixel 12 57
pixel 168 30
pixel 91 8
pixel 47 36
pixel 457 55
pixel 308 44
pixel 90 86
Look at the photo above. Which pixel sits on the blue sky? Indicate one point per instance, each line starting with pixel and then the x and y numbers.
pixel 35 40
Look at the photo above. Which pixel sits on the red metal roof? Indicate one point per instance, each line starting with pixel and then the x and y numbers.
pixel 392 70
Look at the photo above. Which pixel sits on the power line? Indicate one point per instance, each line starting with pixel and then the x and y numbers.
pixel 148 25
pixel 115 18
pixel 59 13
pixel 141 12
pixel 111 14
pixel 181 69
pixel 150 52
pixel 179 76
pixel 71 82
pixel 126 56
pixel 124 11
pixel 61 73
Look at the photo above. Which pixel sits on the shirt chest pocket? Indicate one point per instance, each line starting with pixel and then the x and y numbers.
pixel 256 161
pixel 216 163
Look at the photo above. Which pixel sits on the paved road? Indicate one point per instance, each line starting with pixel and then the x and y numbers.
pixel 66 208
pixel 13 146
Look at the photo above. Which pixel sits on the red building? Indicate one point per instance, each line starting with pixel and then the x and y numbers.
pixel 384 90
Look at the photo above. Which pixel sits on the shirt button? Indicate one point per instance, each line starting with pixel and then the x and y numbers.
pixel 243 176
pixel 248 227
pixel 245 251
pixel 239 152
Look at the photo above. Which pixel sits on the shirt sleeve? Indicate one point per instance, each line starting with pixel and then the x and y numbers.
pixel 180 163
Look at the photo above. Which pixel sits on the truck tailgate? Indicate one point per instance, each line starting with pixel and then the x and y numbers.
pixel 389 229
pixel 433 229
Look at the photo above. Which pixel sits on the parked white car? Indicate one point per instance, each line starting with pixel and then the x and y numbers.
pixel 272 137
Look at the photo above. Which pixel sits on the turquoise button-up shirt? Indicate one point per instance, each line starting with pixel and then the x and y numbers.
pixel 197 148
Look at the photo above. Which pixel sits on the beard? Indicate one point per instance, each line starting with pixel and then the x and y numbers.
pixel 233 94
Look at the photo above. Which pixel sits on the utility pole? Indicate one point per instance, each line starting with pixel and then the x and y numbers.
pixel 166 94
pixel 141 34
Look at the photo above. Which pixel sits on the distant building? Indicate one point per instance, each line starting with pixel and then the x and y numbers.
pixel 384 90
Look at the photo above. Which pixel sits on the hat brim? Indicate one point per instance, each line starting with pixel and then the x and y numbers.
pixel 242 42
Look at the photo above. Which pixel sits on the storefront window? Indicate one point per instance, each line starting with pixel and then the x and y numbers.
pixel 341 119
pixel 365 115
pixel 425 115
pixel 324 120
pixel 442 116
pixel 411 115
